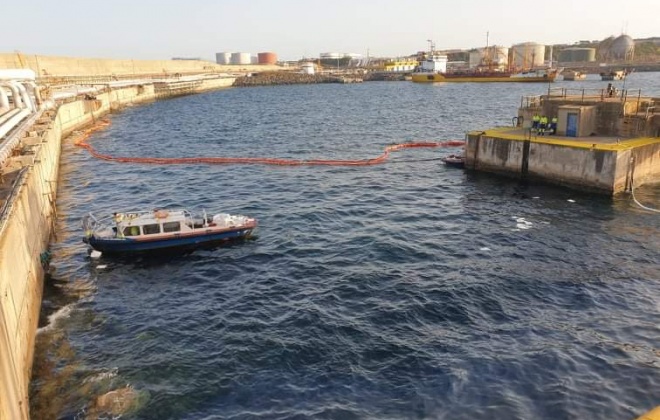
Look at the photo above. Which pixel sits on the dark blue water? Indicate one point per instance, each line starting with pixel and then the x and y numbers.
pixel 405 290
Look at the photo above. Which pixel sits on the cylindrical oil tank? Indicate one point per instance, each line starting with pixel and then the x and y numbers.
pixel 577 55
pixel 500 55
pixel 267 58
pixel 307 68
pixel 476 58
pixel 495 56
pixel 566 55
pixel 528 55
pixel 332 55
pixel 223 58
pixel 241 58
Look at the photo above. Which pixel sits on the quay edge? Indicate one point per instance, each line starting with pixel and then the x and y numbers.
pixel 611 146
pixel 28 216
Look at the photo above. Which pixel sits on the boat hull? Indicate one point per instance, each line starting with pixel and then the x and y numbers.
pixel 441 78
pixel 454 161
pixel 175 243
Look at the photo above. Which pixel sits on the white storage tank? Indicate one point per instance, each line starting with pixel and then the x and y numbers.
pixel 497 56
pixel 528 55
pixel 223 58
pixel 500 55
pixel 241 58
pixel 330 55
pixel 307 68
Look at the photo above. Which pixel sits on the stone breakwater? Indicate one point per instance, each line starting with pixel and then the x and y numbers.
pixel 290 78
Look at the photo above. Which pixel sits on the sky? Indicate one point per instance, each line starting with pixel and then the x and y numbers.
pixel 295 29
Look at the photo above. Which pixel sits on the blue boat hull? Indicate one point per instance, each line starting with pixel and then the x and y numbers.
pixel 181 243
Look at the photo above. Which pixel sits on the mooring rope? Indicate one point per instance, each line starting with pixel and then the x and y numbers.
pixel 632 191
pixel 81 141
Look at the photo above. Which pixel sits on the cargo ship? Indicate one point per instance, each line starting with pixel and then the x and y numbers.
pixel 433 69
pixel 526 76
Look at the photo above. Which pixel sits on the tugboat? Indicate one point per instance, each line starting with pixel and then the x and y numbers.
pixel 162 230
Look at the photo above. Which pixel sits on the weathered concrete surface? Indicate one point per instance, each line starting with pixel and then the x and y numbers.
pixel 24 235
pixel 589 166
pixel 45 66
pixel 25 231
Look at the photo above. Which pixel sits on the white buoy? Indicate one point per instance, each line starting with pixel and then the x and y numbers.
pixel 101 267
pixel 95 254
pixel 570 200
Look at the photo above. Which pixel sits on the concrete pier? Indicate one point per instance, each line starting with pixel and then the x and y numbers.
pixel 603 143
pixel 28 190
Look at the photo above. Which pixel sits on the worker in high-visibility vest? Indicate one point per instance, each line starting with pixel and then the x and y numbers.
pixel 543 123
pixel 535 121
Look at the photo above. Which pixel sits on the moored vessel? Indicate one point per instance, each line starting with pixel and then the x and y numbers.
pixel 574 75
pixel 614 75
pixel 163 230
pixel 433 69
pixel 527 76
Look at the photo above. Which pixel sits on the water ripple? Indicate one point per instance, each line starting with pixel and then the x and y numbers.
pixel 407 290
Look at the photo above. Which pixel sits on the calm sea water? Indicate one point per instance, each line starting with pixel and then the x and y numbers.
pixel 405 290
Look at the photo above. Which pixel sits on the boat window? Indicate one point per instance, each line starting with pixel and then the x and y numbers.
pixel 131 231
pixel 151 229
pixel 171 227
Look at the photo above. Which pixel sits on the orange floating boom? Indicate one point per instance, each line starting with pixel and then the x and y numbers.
pixel 81 141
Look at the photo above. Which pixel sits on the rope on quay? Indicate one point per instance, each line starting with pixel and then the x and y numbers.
pixel 81 141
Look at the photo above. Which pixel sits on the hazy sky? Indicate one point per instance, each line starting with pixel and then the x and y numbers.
pixel 161 29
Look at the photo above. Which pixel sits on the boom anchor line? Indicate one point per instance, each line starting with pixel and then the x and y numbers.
pixel 81 141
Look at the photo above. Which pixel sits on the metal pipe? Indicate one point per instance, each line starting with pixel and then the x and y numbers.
pixel 4 100
pixel 15 96
pixel 8 115
pixel 34 92
pixel 26 98
pixel 10 144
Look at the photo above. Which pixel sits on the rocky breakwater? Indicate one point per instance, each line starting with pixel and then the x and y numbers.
pixel 286 78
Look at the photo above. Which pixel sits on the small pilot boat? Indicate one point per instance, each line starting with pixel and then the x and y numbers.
pixel 163 230
pixel 454 160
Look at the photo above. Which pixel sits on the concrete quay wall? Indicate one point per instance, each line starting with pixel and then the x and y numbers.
pixel 600 170
pixel 54 66
pixel 27 224
pixel 24 234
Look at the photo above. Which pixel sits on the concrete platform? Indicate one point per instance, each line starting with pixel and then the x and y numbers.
pixel 613 146
pixel 591 142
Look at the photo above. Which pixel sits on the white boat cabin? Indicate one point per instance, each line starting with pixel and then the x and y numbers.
pixel 168 222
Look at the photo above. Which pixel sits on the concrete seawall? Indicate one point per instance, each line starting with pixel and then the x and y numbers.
pixel 53 66
pixel 27 221
pixel 602 168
